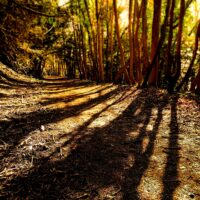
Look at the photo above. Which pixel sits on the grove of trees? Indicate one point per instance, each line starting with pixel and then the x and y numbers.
pixel 140 42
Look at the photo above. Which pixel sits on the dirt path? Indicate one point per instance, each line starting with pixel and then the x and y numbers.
pixel 78 140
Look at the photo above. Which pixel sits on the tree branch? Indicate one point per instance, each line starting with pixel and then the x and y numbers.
pixel 35 11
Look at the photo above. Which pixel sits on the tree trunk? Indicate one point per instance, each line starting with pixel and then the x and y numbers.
pixel 155 40
pixel 170 38
pixel 144 38
pixel 93 44
pixel 195 86
pixel 159 46
pixel 111 45
pixel 177 68
pixel 38 67
pixel 83 52
pixel 130 32
pixel 123 69
pixel 99 42
pixel 187 75
pixel 137 46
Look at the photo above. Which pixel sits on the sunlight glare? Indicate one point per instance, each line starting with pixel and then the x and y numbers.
pixel 62 2
pixel 195 9
pixel 123 16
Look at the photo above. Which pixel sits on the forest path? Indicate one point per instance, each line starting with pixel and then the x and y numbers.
pixel 79 140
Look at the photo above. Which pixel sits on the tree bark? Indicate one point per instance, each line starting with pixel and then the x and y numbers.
pixel 170 38
pixel 144 38
pixel 159 46
pixel 99 42
pixel 123 69
pixel 155 40
pixel 93 43
pixel 137 46
pixel 177 68
pixel 130 32
pixel 187 75
pixel 195 86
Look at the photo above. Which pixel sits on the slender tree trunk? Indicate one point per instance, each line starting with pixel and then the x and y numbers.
pixel 122 58
pixel 137 45
pixel 144 38
pixel 177 68
pixel 84 58
pixel 159 46
pixel 88 28
pixel 76 55
pixel 155 40
pixel 79 52
pixel 131 39
pixel 93 43
pixel 134 41
pixel 109 41
pixel 99 42
pixel 111 44
pixel 195 86
pixel 170 38
pixel 179 37
pixel 187 75
pixel 38 67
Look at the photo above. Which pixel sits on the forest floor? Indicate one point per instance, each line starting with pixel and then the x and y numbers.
pixel 71 139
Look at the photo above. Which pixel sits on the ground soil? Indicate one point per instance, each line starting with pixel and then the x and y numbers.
pixel 80 140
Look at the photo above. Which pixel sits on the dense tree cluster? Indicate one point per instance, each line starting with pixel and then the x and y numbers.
pixel 138 42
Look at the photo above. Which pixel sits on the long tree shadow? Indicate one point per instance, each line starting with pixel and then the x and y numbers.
pixel 2 95
pixel 15 129
pixel 170 178
pixel 92 118
pixel 45 90
pixel 66 83
pixel 59 92
pixel 71 97
pixel 11 80
pixel 106 158
pixel 142 158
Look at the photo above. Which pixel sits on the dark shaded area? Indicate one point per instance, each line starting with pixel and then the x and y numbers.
pixel 62 88
pixel 13 81
pixel 135 173
pixel 48 101
pixel 56 78
pixel 100 157
pixel 196 98
pixel 51 86
pixel 21 124
pixel 67 83
pixel 2 95
pixel 170 178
